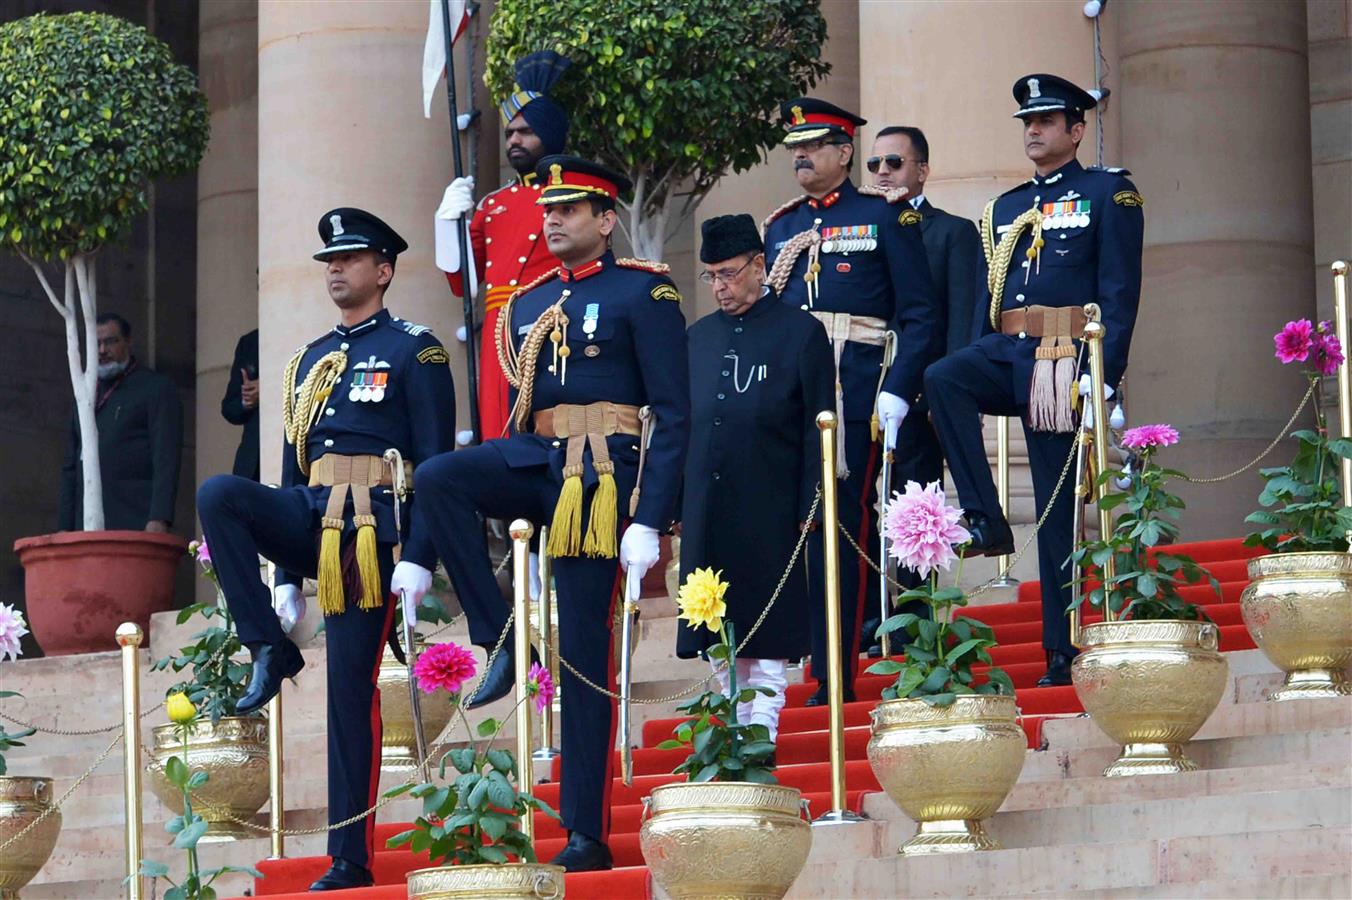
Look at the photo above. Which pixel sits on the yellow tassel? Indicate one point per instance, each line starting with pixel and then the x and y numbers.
pixel 565 532
pixel 331 601
pixel 601 525
pixel 368 563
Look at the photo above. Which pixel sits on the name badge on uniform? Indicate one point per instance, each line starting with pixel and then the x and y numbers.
pixel 369 380
pixel 849 238
pixel 589 318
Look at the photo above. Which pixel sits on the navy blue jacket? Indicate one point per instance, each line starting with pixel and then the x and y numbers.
pixel 1095 256
pixel 627 345
pixel 412 409
pixel 887 279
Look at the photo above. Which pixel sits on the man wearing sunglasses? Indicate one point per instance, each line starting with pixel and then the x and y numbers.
pixel 858 265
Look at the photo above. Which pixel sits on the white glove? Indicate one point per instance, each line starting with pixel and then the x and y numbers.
pixel 449 223
pixel 289 604
pixel 409 582
pixel 458 199
pixel 534 566
pixel 1086 381
pixel 891 411
pixel 639 550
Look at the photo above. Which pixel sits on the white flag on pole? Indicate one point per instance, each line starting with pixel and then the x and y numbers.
pixel 434 48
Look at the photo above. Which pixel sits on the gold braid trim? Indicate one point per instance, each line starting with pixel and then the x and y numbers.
pixel 998 257
pixel 792 204
pixel 891 195
pixel 779 273
pixel 647 265
pixel 518 367
pixel 503 338
pixel 314 393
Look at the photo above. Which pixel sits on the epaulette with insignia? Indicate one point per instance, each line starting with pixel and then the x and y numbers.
pixel 647 265
pixel 412 328
pixel 1111 170
pixel 891 195
pixel 787 207
pixel 547 276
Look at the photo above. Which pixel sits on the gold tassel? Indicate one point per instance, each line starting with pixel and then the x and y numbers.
pixel 1042 395
pixel 565 532
pixel 331 601
pixel 601 526
pixel 1065 390
pixel 368 562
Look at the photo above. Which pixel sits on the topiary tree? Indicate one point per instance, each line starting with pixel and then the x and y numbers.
pixel 674 93
pixel 91 108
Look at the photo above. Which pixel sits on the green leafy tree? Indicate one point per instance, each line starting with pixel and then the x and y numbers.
pixel 92 107
pixel 674 93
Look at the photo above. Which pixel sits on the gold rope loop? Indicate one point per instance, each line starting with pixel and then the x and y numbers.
pixel 998 257
pixel 779 273
pixel 300 410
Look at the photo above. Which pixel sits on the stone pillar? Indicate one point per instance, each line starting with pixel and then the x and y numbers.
pixel 341 124
pixel 227 217
pixel 1330 35
pixel 1216 127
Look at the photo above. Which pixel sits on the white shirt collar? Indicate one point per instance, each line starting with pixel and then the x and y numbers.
pixel 917 200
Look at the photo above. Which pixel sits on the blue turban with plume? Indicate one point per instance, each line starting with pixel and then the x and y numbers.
pixel 535 75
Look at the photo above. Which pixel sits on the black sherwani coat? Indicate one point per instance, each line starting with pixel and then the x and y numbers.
pixel 757 382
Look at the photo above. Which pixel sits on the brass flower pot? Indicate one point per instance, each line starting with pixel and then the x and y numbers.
pixel 22 800
pixel 1150 685
pixel 234 754
pixel 509 881
pixel 725 839
pixel 398 747
pixel 1298 607
pixel 948 767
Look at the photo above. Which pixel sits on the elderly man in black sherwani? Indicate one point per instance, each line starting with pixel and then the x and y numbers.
pixel 760 371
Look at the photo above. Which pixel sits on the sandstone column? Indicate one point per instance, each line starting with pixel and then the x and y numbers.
pixel 1216 127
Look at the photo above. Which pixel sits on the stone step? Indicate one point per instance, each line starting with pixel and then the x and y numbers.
pixel 1291 888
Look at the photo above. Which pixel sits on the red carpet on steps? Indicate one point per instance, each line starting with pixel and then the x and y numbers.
pixel 802 749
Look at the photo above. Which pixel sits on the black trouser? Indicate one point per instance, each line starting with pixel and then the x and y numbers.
pixel 964 385
pixel 454 490
pixel 242 519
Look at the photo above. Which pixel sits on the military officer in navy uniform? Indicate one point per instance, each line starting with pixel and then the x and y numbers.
pixel 373 384
pixel 858 264
pixel 595 353
pixel 1068 236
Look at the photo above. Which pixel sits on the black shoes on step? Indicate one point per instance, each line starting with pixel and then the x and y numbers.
pixel 500 680
pixel 271 664
pixel 990 536
pixel 583 854
pixel 1058 670
pixel 820 698
pixel 343 874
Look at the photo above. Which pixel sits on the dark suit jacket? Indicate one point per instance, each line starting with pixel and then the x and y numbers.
pixel 953 248
pixel 232 406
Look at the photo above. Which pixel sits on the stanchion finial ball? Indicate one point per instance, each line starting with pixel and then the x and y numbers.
pixel 521 530
pixel 129 634
pixel 826 420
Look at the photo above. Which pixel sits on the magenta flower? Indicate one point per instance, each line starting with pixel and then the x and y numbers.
pixel 1295 341
pixel 1149 437
pixel 444 667
pixel 1328 352
pixel 540 684
pixel 199 551
pixel 922 529
pixel 12 627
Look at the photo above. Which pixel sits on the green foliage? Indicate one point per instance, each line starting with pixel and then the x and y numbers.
pixel 1146 579
pixel 11 739
pixel 218 680
pixel 475 817
pixel 940 650
pixel 675 93
pixel 91 108
pixel 1302 503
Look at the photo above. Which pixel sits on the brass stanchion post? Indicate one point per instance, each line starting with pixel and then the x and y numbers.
pixel 520 532
pixel 1003 578
pixel 544 611
pixel 1093 334
pixel 276 807
pixel 835 688
pixel 129 637
pixel 1343 327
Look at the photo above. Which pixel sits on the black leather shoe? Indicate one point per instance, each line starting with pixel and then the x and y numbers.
pixel 271 664
pixel 1058 670
pixel 820 698
pixel 583 854
pixel 990 536
pixel 501 679
pixel 343 874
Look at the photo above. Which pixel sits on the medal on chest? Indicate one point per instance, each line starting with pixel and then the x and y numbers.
pixel 849 238
pixel 369 380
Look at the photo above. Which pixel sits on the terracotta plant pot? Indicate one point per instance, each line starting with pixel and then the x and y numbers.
pixel 80 585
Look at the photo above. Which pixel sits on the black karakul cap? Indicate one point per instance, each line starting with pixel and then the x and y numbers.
pixel 810 119
pixel 347 228
pixel 1049 93
pixel 570 179
pixel 724 237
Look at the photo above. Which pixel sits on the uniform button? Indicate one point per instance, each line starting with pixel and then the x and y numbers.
pixel 513 281
pixel 329 411
pixel 1023 335
pixel 489 263
pixel 717 476
pixel 804 306
pixel 1018 297
pixel 488 218
pixel 521 259
pixel 343 345
pixel 718 420
pixel 726 373
pixel 328 442
pixel 488 240
pixel 737 330
pixel 556 443
pixel 488 286
pixel 513 190
pixel 722 396
pixel 530 237
pixel 1037 199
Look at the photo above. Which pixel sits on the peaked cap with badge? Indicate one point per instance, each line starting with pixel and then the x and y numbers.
pixel 570 179
pixel 1040 93
pixel 810 119
pixel 347 228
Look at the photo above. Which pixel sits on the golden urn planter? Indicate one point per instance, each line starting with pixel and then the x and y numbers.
pixel 510 881
pixel 1298 607
pixel 948 767
pixel 398 747
pixel 725 839
pixel 234 754
pixel 1150 685
pixel 22 800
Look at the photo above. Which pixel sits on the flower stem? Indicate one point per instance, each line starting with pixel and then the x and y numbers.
pixel 187 806
pixel 727 630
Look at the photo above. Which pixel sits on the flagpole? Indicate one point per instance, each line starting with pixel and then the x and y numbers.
pixel 466 260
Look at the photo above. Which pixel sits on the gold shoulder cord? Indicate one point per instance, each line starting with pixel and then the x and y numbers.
pixel 518 367
pixel 999 257
pixel 314 393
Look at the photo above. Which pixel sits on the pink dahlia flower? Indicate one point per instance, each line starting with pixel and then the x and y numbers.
pixel 541 686
pixel 1149 437
pixel 444 667
pixel 1328 353
pixel 200 552
pixel 12 627
pixel 1295 341
pixel 922 529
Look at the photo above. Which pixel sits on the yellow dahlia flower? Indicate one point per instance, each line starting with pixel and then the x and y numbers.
pixel 180 709
pixel 701 599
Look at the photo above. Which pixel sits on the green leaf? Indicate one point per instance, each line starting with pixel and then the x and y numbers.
pixel 189 836
pixel 152 869
pixel 487 727
pixel 197 779
pixel 502 760
pixel 177 772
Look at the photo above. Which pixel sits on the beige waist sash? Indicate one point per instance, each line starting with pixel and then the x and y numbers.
pixel 842 328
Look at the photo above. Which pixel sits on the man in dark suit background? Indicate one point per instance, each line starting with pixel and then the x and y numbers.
pixel 239 406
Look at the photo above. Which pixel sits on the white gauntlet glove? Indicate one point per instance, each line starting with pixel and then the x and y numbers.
pixel 410 582
pixel 891 411
pixel 639 550
pixel 450 221
pixel 458 199
pixel 289 604
pixel 1086 381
